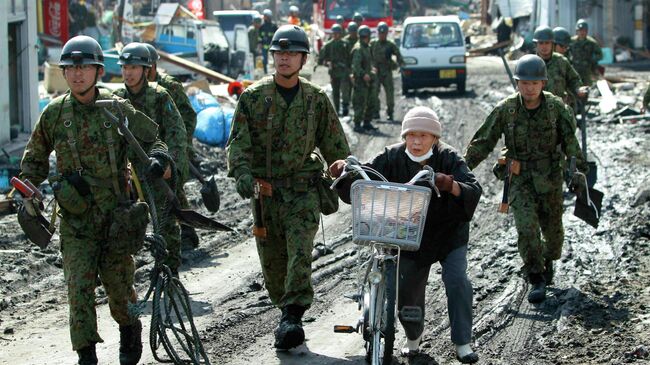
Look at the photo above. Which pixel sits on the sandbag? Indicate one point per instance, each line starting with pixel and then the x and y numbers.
pixel 212 127
pixel 202 100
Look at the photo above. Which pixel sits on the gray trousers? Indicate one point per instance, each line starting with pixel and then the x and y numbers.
pixel 412 284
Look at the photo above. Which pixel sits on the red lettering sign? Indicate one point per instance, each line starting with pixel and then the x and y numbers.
pixel 55 19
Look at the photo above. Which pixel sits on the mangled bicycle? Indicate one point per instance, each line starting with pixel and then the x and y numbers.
pixel 386 219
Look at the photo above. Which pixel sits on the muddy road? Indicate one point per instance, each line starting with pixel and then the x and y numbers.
pixel 596 311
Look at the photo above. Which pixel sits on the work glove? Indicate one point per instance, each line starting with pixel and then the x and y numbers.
pixel 245 186
pixel 155 170
pixel 578 182
pixel 336 168
pixel 444 182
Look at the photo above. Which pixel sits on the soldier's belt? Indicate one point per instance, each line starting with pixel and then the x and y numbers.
pixel 296 183
pixel 518 165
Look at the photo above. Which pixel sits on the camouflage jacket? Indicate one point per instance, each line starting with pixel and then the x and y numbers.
pixel 253 39
pixel 94 135
pixel 351 42
pixel 337 53
pixel 532 140
pixel 361 61
pixel 382 55
pixel 177 92
pixel 156 103
pixel 563 80
pixel 646 98
pixel 586 54
pixel 262 116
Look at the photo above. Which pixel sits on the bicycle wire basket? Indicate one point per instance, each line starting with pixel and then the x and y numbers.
pixel 388 212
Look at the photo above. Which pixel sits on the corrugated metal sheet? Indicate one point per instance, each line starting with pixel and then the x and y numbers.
pixel 515 8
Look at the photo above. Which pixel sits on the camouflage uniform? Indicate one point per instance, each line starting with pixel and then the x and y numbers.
pixel 382 60
pixel 351 42
pixel 646 99
pixel 156 103
pixel 291 214
pixel 253 39
pixel 563 80
pixel 586 54
pixel 536 193
pixel 85 246
pixel 362 65
pixel 337 52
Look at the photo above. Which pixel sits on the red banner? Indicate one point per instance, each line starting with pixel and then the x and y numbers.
pixel 196 7
pixel 55 19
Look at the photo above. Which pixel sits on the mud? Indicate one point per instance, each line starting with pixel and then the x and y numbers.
pixel 596 311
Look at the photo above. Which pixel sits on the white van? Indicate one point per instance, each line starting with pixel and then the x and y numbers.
pixel 433 48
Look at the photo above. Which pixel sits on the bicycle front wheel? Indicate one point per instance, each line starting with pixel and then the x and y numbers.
pixel 383 337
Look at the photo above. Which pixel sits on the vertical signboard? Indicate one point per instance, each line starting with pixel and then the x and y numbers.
pixel 54 19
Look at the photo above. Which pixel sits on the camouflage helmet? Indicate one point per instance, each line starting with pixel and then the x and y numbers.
pixel 364 31
pixel 135 54
pixel 543 34
pixel 337 28
pixel 582 24
pixel 290 38
pixel 353 27
pixel 561 36
pixel 357 17
pixel 81 50
pixel 153 54
pixel 530 68
pixel 340 19
pixel 382 27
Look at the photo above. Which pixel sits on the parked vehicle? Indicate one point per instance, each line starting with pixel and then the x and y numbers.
pixel 433 48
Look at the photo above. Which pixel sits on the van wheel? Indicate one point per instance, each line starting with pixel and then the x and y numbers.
pixel 461 87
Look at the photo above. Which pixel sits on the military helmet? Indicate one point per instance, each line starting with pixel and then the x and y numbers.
pixel 582 24
pixel 382 27
pixel 340 19
pixel 81 50
pixel 353 27
pixel 357 17
pixel 561 36
pixel 364 31
pixel 530 68
pixel 337 28
pixel 290 38
pixel 136 54
pixel 543 34
pixel 153 53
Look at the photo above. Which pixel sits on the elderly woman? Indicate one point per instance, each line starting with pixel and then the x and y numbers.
pixel 446 231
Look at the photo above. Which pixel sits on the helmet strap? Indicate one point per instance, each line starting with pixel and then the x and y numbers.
pixel 91 87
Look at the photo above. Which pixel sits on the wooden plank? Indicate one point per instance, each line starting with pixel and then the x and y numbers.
pixel 493 47
pixel 194 67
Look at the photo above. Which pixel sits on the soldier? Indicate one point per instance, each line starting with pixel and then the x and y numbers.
pixel 534 123
pixel 364 78
pixel 563 80
pixel 382 51
pixel 562 39
pixel 267 30
pixel 586 53
pixel 254 45
pixel 278 122
pixel 357 18
pixel 340 20
pixel 336 54
pixel 91 191
pixel 646 100
pixel 155 102
pixel 176 90
pixel 351 40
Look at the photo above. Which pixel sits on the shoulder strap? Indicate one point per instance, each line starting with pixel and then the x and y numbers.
pixel 269 111
pixel 67 115
pixel 309 102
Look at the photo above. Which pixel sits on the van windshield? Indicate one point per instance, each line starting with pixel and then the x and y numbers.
pixel 214 35
pixel 432 35
pixel 228 22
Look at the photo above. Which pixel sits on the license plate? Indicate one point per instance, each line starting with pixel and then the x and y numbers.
pixel 447 74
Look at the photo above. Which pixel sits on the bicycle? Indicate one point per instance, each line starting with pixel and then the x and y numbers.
pixel 386 218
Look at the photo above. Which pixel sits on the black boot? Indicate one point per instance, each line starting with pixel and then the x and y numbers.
pixel 390 116
pixel 358 128
pixel 87 355
pixel 189 238
pixel 537 292
pixel 345 110
pixel 289 333
pixel 130 343
pixel 548 272
pixel 368 126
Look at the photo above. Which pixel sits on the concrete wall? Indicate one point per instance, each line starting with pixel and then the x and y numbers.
pixel 22 12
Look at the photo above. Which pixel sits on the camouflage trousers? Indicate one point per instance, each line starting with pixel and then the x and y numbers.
pixel 384 79
pixel 340 88
pixel 170 229
pixel 86 254
pixel 361 101
pixel 535 212
pixel 291 221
